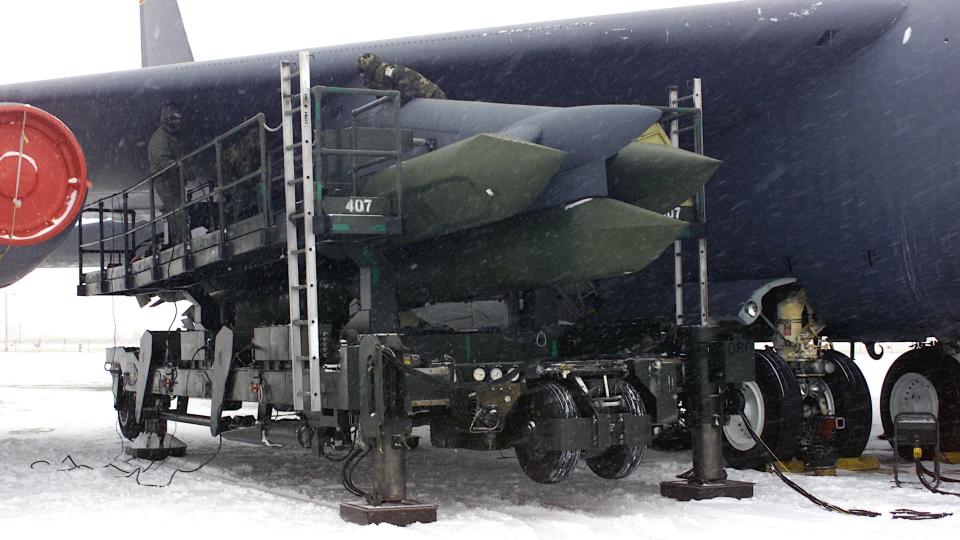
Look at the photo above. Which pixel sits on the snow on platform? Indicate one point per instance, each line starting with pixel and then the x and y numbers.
pixel 54 405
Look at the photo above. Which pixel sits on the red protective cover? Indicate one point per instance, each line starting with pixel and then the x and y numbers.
pixel 43 175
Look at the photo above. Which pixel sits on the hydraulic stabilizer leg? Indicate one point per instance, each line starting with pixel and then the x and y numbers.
pixel 711 362
pixel 385 427
pixel 389 473
pixel 154 443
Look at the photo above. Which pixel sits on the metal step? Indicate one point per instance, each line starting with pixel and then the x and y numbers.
pixel 359 224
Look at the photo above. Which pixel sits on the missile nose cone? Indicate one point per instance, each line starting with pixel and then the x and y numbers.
pixel 657 177
pixel 587 133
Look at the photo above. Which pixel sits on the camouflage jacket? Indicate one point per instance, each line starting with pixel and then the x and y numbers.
pixel 163 150
pixel 409 82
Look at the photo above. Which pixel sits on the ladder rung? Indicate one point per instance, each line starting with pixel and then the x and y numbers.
pixel 293 146
pixel 292 75
pixel 301 322
pixel 295 181
pixel 298 252
pixel 298 287
pixel 302 358
pixel 293 110
pixel 297 215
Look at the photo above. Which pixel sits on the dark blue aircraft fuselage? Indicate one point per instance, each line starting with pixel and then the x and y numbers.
pixel 836 120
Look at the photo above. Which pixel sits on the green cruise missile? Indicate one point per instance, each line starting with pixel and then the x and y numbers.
pixel 588 240
pixel 657 177
pixel 473 182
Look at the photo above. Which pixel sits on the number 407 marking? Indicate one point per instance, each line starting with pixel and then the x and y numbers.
pixel 359 206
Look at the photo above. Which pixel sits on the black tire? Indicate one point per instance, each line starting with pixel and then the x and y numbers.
pixel 126 411
pixel 851 399
pixel 619 461
pixel 782 418
pixel 943 373
pixel 550 400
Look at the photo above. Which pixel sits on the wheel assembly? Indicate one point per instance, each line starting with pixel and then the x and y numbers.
pixel 126 416
pixel 849 396
pixel 550 400
pixel 772 404
pixel 925 380
pixel 619 461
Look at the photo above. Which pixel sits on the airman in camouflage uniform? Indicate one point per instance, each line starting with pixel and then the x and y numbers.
pixel 164 150
pixel 241 157
pixel 382 76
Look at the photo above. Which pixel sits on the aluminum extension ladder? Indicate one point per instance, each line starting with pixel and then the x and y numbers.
pixel 695 98
pixel 301 238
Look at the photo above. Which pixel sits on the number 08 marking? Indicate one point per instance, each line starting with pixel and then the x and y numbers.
pixel 359 206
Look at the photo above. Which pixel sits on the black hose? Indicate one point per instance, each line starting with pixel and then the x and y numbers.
pixel 337 459
pixel 917 515
pixel 135 473
pixel 921 470
pixel 900 513
pixel 809 496
pixel 346 473
pixel 875 352
pixel 932 474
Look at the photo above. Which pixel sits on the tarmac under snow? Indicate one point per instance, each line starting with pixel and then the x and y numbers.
pixel 58 404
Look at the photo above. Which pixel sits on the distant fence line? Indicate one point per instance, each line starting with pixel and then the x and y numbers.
pixel 48 345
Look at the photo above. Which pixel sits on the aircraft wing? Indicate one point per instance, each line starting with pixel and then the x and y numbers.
pixel 736 47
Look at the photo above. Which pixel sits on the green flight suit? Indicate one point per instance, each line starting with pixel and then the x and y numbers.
pixel 163 150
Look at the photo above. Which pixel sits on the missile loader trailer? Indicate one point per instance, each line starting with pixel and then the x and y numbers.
pixel 306 274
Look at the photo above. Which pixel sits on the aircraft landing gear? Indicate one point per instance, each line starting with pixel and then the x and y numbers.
pixel 851 401
pixel 925 380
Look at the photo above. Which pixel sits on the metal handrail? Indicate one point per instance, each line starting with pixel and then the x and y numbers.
pixel 382 97
pixel 259 117
pixel 129 227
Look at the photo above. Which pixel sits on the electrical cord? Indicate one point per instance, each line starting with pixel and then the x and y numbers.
pixel 930 473
pixel 900 513
pixel 73 464
pixel 922 475
pixel 135 473
pixel 917 515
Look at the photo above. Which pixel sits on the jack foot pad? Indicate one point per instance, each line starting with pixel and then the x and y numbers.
pixel 154 448
pixel 689 491
pixel 400 514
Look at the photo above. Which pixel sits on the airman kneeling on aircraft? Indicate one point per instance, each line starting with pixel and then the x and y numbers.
pixel 382 76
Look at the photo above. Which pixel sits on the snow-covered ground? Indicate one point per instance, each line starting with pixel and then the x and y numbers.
pixel 58 404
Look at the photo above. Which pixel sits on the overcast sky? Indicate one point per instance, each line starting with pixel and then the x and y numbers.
pixel 44 39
